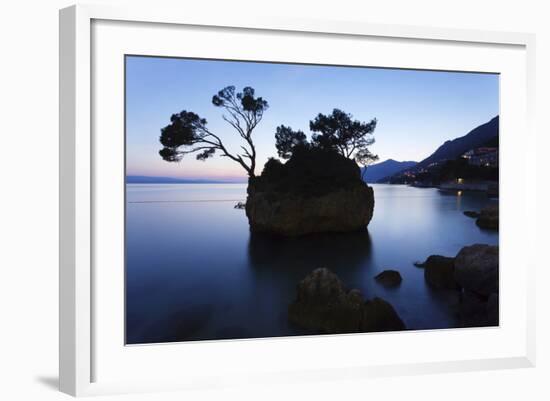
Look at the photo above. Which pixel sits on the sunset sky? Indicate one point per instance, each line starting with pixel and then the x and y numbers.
pixel 416 110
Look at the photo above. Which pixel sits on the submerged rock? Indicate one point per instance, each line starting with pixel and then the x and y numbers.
pixel 389 278
pixel 322 303
pixel 488 218
pixel 476 269
pixel 315 191
pixel 471 213
pixel 439 272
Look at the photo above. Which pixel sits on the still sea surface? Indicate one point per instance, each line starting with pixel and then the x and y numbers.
pixel 195 272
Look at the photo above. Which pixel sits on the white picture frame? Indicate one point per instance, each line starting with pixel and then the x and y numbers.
pixel 78 218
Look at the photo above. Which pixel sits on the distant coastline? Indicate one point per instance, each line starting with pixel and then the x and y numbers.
pixel 142 179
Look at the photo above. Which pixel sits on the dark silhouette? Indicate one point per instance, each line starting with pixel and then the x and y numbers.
pixel 337 131
pixel 309 172
pixel 340 132
pixel 287 140
pixel 316 191
pixel 188 132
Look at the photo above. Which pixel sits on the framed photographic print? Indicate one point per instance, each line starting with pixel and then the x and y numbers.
pixel 287 200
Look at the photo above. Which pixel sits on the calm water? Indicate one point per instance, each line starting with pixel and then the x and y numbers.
pixel 195 272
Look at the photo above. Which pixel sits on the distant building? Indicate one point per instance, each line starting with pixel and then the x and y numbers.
pixel 484 156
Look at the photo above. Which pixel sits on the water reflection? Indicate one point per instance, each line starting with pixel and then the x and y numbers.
pixel 195 272
pixel 337 251
pixel 278 264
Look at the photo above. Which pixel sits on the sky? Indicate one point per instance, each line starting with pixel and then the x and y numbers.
pixel 417 111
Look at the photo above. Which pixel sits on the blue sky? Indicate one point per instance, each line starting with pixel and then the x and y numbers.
pixel 416 110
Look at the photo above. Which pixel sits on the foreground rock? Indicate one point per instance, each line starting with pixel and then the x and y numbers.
pixel 471 213
pixel 476 269
pixel 323 304
pixel 474 272
pixel 488 218
pixel 478 311
pixel 439 272
pixel 389 278
pixel 315 191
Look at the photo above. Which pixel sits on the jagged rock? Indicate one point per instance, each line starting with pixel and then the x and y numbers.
pixel 476 269
pixel 488 218
pixel 315 191
pixel 439 272
pixel 389 278
pixel 323 304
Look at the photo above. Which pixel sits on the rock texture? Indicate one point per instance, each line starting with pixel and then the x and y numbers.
pixel 389 278
pixel 315 191
pixel 474 272
pixel 488 218
pixel 323 304
pixel 439 272
pixel 478 311
pixel 476 269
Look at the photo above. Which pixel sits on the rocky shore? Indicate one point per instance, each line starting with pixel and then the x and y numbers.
pixel 474 273
pixel 487 218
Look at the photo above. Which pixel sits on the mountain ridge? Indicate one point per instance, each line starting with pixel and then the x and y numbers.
pixel 453 148
pixel 388 167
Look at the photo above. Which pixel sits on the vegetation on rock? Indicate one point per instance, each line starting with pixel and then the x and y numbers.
pixel 188 133
pixel 316 190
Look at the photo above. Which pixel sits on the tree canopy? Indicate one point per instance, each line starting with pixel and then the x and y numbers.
pixel 188 133
pixel 337 131
pixel 286 140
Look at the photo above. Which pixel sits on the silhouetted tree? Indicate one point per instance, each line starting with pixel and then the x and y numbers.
pixel 188 133
pixel 340 132
pixel 286 140
pixel 365 158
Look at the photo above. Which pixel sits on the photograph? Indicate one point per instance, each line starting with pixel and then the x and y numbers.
pixel 272 199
